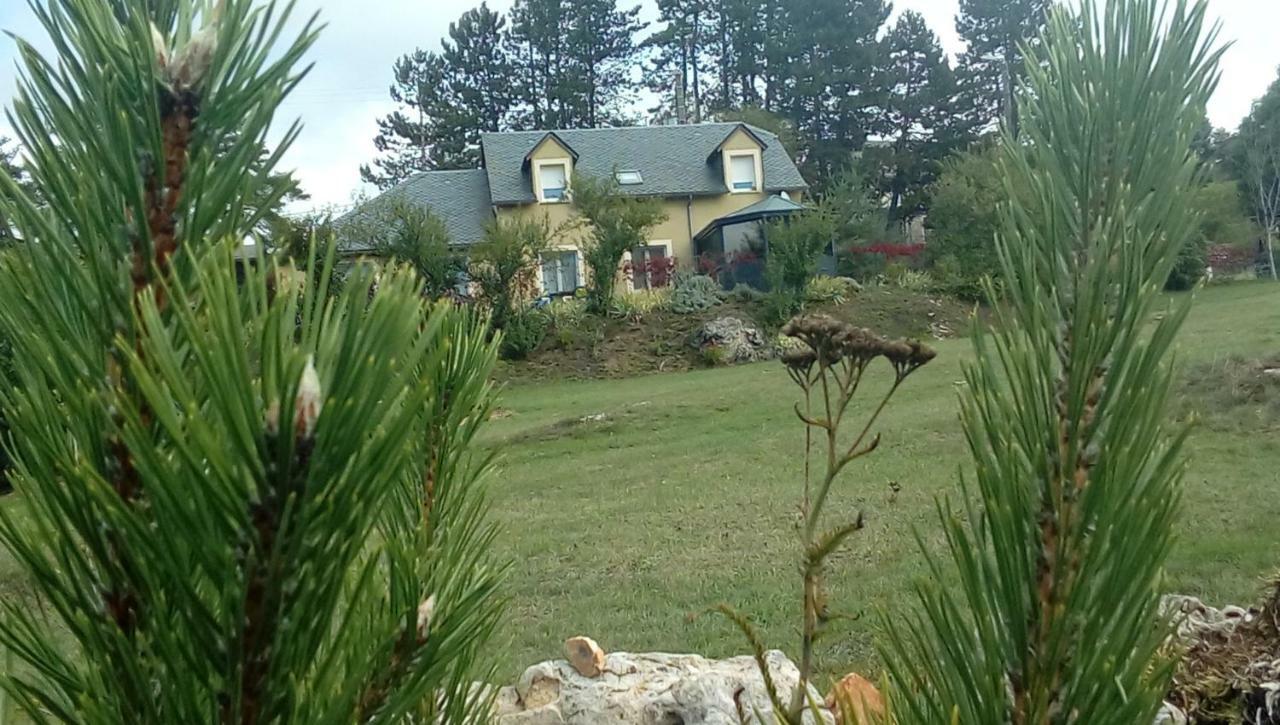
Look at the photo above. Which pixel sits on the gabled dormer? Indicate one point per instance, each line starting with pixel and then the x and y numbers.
pixel 550 166
pixel 741 158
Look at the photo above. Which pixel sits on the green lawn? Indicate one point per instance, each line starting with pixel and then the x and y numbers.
pixel 684 496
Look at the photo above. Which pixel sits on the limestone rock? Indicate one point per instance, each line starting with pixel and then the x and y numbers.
pixel 1195 618
pixel 585 656
pixel 863 697
pixel 738 341
pixel 1170 715
pixel 651 689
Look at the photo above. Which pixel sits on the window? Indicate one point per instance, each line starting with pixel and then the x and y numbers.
pixel 560 272
pixel 742 172
pixel 650 267
pixel 554 179
pixel 629 178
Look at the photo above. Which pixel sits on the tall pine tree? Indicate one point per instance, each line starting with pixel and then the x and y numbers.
pixel 993 64
pixel 448 99
pixel 540 56
pixel 602 47
pixel 920 87
pixel 682 68
pixel 829 84
pixel 405 136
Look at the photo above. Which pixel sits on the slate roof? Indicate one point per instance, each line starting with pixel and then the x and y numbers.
pixel 770 206
pixel 673 160
pixel 459 198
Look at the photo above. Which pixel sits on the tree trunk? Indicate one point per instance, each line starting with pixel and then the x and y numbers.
pixel 1271 255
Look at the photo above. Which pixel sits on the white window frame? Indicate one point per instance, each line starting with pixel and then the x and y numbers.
pixel 577 258
pixel 567 163
pixel 632 177
pixel 754 154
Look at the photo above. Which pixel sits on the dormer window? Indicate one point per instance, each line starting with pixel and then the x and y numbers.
pixel 743 170
pixel 629 178
pixel 553 181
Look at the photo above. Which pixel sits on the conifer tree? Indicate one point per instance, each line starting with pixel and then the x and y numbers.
pixel 993 65
pixel 448 98
pixel 244 501
pixel 1054 617
pixel 920 88
pixel 601 43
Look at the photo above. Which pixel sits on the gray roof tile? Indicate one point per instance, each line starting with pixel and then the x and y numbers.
pixel 459 198
pixel 673 160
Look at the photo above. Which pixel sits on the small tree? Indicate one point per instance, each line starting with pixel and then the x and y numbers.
pixel 502 266
pixel 1055 614
pixel 1261 149
pixel 407 232
pixel 244 501
pixel 794 246
pixel 615 223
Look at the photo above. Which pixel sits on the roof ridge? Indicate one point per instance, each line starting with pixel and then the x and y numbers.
pixel 602 129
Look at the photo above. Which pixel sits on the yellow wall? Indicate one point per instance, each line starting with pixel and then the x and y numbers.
pixel 739 140
pixel 685 216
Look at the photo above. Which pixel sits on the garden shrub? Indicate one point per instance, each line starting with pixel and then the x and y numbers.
pixel 713 356
pixel 963 217
pixel 638 304
pixel 1187 271
pixel 565 312
pixel 828 290
pixel 795 244
pixel 744 293
pixel 502 265
pixel 694 293
pixel 522 334
pixel 615 222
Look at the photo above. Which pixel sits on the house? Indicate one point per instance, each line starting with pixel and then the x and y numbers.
pixel 717 182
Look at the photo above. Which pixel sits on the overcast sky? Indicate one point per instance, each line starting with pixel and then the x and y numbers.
pixel 347 90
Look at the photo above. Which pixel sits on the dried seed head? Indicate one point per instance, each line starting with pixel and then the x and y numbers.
pixel 800 359
pixel 907 356
pixel 309 401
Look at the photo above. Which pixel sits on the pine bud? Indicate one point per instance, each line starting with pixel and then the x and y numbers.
pixel 160 46
pixel 192 63
pixel 309 401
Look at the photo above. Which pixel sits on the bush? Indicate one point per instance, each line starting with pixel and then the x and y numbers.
pixel 565 312
pixel 744 293
pixel 1187 271
pixel 502 265
pixel 794 245
pixel 640 303
pixel 523 333
pixel 963 216
pixel 694 293
pixel 713 356
pixel 828 290
pixel 615 222
pixel 914 280
pixel 948 279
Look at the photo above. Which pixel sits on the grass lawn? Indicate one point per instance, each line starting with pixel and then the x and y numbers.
pixel 684 496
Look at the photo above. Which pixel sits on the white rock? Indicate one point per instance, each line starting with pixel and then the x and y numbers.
pixel 1170 715
pixel 651 689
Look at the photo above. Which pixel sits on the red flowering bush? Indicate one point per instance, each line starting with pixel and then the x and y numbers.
pixel 1229 258
pixel 657 270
